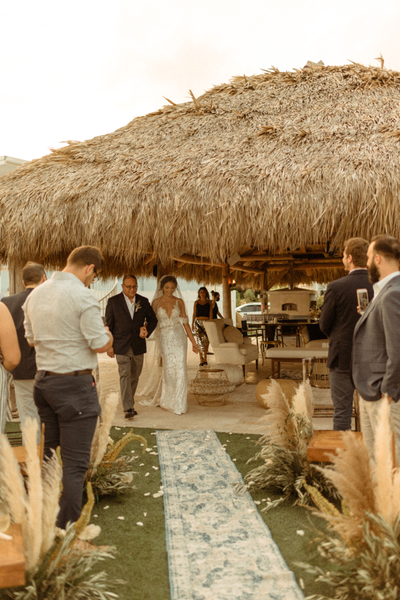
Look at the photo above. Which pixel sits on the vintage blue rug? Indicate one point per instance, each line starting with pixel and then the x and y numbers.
pixel 219 548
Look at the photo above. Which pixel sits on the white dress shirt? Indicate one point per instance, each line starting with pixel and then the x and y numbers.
pixel 130 305
pixel 379 285
pixel 63 320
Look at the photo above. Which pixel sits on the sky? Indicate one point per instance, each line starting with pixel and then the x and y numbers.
pixel 74 70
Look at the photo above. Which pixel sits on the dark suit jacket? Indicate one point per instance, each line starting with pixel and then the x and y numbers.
pixel 376 346
pixel 125 329
pixel 339 316
pixel 27 367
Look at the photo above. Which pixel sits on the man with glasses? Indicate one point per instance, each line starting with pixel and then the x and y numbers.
pixel 130 319
pixel 63 322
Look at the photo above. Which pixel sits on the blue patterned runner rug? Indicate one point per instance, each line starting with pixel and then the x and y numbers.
pixel 219 548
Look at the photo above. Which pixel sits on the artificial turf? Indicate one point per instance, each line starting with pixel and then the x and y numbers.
pixel 141 559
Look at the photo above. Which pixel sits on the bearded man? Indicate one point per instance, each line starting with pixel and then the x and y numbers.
pixel 376 341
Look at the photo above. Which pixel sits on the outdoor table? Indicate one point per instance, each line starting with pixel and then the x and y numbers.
pixel 278 355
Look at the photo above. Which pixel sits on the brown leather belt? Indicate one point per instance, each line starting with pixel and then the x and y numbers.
pixel 74 373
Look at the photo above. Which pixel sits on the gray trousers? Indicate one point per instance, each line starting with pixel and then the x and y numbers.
pixel 369 413
pixel 129 368
pixel 342 391
pixel 25 402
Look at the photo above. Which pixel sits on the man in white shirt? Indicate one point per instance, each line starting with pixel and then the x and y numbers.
pixel 130 319
pixel 64 324
pixel 376 341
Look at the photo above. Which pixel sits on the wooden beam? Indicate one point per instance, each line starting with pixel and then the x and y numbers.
pixel 148 260
pixel 274 280
pixel 196 260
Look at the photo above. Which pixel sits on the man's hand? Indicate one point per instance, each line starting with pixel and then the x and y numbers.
pixel 110 353
pixel 143 332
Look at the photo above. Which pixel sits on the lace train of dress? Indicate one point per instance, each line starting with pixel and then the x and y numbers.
pixel 171 392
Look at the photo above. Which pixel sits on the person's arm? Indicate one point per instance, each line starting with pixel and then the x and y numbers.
pixel 212 304
pixel 98 336
pixel 8 339
pixel 391 322
pixel 185 323
pixel 150 318
pixel 110 324
pixel 194 313
pixel 328 312
pixel 219 315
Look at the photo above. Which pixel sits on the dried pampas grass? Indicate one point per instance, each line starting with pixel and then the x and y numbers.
pixel 34 505
pixel 277 418
pixel 100 441
pixel 302 402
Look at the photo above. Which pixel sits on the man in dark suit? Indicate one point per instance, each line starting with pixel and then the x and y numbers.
pixel 376 342
pixel 130 319
pixel 338 319
pixel 24 375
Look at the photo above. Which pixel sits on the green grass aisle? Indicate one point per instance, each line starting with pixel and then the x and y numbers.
pixel 142 557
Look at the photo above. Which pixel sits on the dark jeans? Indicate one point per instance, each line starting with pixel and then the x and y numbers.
pixel 342 391
pixel 69 407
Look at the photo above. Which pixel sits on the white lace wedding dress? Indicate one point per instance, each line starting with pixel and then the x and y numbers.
pixel 171 392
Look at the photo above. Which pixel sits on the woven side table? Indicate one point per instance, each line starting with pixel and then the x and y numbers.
pixel 211 387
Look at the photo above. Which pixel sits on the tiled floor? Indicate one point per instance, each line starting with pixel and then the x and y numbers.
pixel 241 414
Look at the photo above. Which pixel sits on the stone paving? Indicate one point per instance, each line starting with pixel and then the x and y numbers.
pixel 241 414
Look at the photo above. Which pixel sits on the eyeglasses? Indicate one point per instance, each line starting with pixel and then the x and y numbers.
pixel 130 287
pixel 96 275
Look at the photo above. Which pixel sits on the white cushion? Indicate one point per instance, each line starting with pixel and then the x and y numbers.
pixel 233 335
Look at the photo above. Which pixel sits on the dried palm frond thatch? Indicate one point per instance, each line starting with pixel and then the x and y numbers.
pixel 274 162
pixel 285 467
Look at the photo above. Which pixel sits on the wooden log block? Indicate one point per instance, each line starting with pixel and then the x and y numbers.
pixel 325 443
pixel 12 559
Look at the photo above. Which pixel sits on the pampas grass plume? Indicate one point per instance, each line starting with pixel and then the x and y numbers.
pixel 12 484
pixel 107 414
pixel 51 482
pixel 277 415
pixel 387 506
pixel 353 478
pixel 33 532
pixel 302 402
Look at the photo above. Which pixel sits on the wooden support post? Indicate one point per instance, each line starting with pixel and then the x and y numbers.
pixel 291 276
pixel 264 284
pixel 15 277
pixel 226 293
pixel 162 271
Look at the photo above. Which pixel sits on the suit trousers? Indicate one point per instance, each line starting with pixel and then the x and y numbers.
pixel 369 420
pixel 342 391
pixel 68 406
pixel 129 368
pixel 25 402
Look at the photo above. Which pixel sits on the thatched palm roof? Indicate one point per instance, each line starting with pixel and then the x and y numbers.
pixel 274 163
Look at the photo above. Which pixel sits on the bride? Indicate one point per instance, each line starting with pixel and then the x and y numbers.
pixel 173 330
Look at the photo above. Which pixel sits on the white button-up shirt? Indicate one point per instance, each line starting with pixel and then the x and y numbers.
pixel 130 305
pixel 379 285
pixel 63 320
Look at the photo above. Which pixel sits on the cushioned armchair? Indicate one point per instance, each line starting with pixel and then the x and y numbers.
pixel 228 344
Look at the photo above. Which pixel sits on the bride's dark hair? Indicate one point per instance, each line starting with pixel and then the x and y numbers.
pixel 168 279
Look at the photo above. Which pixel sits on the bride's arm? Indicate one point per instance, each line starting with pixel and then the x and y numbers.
pixel 186 326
